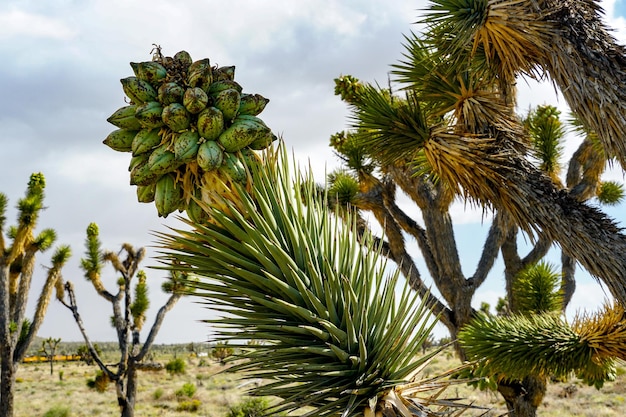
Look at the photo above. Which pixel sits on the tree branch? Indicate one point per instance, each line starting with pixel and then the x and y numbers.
pixel 156 326
pixel 73 307
pixel 495 238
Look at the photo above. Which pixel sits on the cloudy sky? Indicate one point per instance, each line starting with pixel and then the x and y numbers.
pixel 59 81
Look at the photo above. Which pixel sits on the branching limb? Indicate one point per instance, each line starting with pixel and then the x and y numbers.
pixel 156 326
pixel 373 202
pixel 495 238
pixel 73 307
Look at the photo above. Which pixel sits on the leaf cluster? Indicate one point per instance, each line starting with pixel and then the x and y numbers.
pixel 338 331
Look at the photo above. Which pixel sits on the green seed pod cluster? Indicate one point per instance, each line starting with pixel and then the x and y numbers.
pixel 192 133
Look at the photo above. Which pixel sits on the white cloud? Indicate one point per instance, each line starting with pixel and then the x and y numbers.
pixel 16 24
pixel 104 169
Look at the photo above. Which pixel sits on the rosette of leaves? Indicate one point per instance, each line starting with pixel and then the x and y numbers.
pixel 341 336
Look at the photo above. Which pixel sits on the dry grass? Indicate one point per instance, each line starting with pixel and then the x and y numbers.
pixel 38 392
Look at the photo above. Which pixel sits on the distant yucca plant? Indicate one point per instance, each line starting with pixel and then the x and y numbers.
pixel 341 336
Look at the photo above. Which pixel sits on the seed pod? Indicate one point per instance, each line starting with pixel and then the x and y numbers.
pixel 210 123
pixel 184 58
pixel 262 141
pixel 162 161
pixel 120 140
pixel 170 93
pixel 218 86
pixel 196 213
pixel 145 140
pixel 149 114
pixel 138 160
pixel 210 155
pixel 224 73
pixel 141 174
pixel 150 71
pixel 167 195
pixel 252 104
pixel 200 74
pixel 145 193
pixel 176 117
pixel 227 102
pixel 139 91
pixel 186 146
pixel 242 133
pixel 124 118
pixel 233 168
pixel 195 100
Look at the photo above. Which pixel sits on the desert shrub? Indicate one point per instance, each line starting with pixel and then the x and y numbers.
pixel 100 383
pixel 157 394
pixel 190 405
pixel 57 411
pixel 221 352
pixel 251 407
pixel 176 366
pixel 188 390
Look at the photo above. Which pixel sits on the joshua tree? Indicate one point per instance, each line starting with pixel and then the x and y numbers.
pixel 458 123
pixel 49 348
pixel 391 148
pixel 221 352
pixel 129 313
pixel 17 267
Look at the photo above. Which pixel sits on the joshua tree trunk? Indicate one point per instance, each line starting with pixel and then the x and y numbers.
pixel 523 397
pixel 7 382
pixel 127 402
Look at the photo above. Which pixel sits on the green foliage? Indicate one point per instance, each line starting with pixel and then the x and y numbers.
pixel 537 289
pixel 502 307
pixel 397 129
pixel 546 133
pixel 4 201
pixel 189 405
pixel 352 152
pixel 610 193
pixel 31 204
pixel 349 88
pixel 24 329
pixel 61 255
pixel 221 352
pixel 343 187
pixel 44 241
pixel 141 302
pixel 158 393
pixel 91 264
pixel 85 354
pixel 536 344
pixel 290 274
pixel 187 390
pixel 100 382
pixel 179 282
pixel 176 366
pixel 58 411
pixel 484 307
pixel 249 407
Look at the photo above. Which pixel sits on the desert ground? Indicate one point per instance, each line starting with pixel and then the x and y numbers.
pixel 205 389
